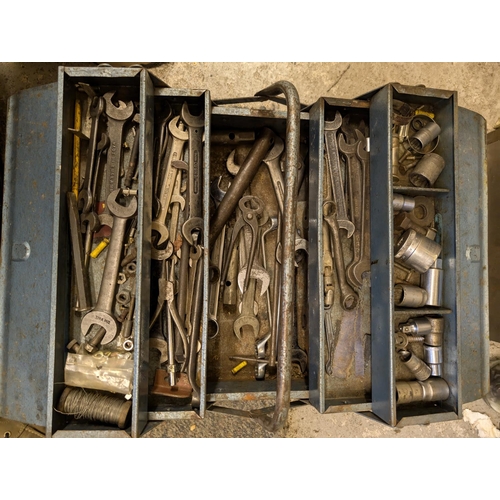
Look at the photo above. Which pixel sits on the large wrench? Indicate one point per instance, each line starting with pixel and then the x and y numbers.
pixel 348 297
pixel 332 154
pixel 364 264
pixel 194 220
pixel 103 314
pixel 179 138
pixel 117 117
pixel 356 201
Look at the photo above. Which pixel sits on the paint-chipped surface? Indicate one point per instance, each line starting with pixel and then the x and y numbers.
pixel 478 86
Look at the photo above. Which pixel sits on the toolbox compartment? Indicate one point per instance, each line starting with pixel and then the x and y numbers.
pixel 36 258
pixel 222 385
pixel 351 390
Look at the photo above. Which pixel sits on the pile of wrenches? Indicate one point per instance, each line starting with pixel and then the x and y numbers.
pixel 346 206
pixel 240 255
pixel 177 238
pixel 102 211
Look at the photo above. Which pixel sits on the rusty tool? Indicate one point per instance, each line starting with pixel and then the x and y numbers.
pixel 333 165
pixel 240 183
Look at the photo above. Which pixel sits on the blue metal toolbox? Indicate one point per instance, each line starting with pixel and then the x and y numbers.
pixel 351 364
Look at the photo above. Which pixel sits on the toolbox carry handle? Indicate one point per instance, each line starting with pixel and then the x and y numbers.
pixel 284 372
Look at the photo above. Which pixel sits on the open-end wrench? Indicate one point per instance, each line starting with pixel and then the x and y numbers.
pixel 103 314
pixel 356 201
pixel 272 161
pixel 177 205
pixel 194 220
pixel 179 138
pixel 363 264
pixel 333 165
pixel 247 318
pixel 216 262
pixel 84 302
pixel 117 117
pixel 86 194
pixel 349 298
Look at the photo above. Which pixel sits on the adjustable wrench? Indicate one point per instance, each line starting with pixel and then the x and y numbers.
pixel 179 138
pixel 103 314
pixel 333 165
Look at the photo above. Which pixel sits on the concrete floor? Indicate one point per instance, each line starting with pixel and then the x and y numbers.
pixel 478 86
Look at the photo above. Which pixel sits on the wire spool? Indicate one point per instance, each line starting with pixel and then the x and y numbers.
pixel 95 406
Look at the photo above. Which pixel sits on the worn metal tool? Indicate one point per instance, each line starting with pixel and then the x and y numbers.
pixel 194 220
pixel 362 264
pixel 349 298
pixel 117 117
pixel 87 192
pixel 355 184
pixel 240 183
pixel 179 138
pixel 103 314
pixel 335 173
pixel 251 208
pixel 84 300
pixel 283 385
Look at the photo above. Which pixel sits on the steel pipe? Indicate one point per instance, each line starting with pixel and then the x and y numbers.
pixel 284 372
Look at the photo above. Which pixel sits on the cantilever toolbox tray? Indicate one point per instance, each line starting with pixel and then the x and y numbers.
pixel 342 359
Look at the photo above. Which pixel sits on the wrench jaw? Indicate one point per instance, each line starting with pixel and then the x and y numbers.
pixel 103 319
pixel 256 272
pixel 162 230
pixel 242 323
pixel 122 112
pixel 335 124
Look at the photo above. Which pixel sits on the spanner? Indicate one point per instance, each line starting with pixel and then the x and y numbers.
pixel 363 264
pixel 349 298
pixel 355 179
pixel 179 138
pixel 87 192
pixel 117 117
pixel 247 316
pixel 103 314
pixel 195 124
pixel 84 302
pixel 333 165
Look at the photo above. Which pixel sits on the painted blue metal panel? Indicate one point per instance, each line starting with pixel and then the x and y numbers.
pixel 26 249
pixel 472 254
pixel 382 257
pixel 315 261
